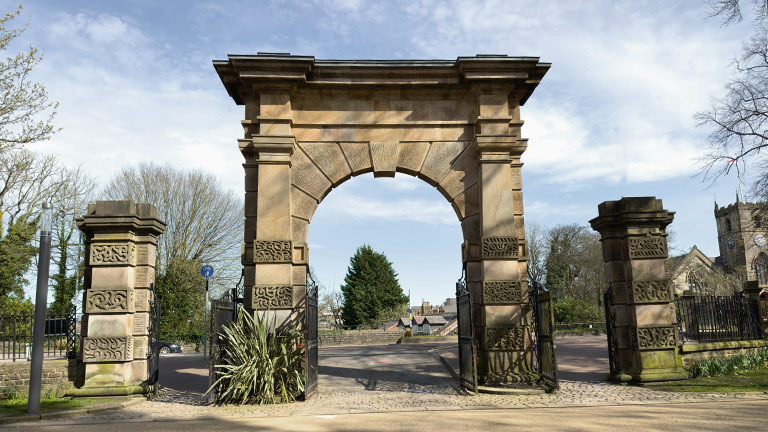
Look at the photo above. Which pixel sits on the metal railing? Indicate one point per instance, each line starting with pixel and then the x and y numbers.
pixel 61 335
pixel 580 326
pixel 718 318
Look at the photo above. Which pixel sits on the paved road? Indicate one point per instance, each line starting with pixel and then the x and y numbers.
pixel 405 387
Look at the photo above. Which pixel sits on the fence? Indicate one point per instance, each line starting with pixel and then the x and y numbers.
pixel 580 326
pixel 61 335
pixel 718 318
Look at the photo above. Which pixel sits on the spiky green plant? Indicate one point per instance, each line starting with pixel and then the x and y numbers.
pixel 258 363
pixel 733 365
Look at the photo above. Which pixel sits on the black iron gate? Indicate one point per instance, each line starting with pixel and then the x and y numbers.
pixel 153 351
pixel 543 330
pixel 223 313
pixel 467 349
pixel 310 326
pixel 610 327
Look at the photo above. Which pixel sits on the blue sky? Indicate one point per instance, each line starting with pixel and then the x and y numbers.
pixel 613 117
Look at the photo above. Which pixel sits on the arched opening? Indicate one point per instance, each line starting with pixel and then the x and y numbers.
pixel 760 267
pixel 695 283
pixel 416 229
pixel 728 227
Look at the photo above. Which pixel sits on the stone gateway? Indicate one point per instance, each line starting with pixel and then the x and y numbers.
pixel 312 124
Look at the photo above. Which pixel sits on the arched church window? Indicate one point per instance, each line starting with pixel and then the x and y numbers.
pixel 757 220
pixel 728 225
pixel 695 284
pixel 760 266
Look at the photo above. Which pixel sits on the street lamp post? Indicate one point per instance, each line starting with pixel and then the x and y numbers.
pixel 36 368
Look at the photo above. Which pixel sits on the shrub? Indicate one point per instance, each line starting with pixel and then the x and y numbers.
pixel 258 363
pixel 732 365
pixel 575 309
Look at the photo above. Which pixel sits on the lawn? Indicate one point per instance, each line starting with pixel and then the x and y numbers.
pixel 748 381
pixel 16 407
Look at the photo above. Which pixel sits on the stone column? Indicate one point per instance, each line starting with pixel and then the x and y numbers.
pixel 752 289
pixel 271 259
pixel 501 296
pixel 634 241
pixel 121 248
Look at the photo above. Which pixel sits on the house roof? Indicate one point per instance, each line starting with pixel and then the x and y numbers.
pixel 435 319
pixel 694 258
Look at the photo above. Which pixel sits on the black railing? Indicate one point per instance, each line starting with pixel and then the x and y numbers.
pixel 718 318
pixel 62 335
pixel 580 326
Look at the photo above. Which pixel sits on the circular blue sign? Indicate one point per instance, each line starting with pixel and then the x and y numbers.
pixel 206 271
pixel 760 240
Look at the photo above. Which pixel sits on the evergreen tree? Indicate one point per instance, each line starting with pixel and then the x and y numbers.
pixel 16 254
pixel 370 288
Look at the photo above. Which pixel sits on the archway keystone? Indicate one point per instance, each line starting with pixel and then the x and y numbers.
pixel 312 124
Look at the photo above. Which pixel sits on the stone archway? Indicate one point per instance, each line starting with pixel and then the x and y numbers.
pixel 312 124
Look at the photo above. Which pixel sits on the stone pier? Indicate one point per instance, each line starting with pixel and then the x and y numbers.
pixel 634 241
pixel 120 247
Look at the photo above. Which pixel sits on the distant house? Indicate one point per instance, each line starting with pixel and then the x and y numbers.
pixel 689 271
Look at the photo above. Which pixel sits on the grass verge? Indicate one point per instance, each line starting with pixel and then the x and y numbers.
pixel 749 381
pixel 18 406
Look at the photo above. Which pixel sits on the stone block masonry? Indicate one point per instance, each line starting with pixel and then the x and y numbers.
pixel 312 124
pixel 121 248
pixel 14 377
pixel 358 337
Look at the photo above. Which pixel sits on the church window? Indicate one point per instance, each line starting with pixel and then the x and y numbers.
pixel 728 225
pixel 760 266
pixel 695 283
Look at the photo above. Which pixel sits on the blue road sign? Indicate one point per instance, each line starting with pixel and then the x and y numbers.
pixel 206 271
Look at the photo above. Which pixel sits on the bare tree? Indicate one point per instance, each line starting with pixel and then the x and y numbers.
pixel 739 119
pixel 537 252
pixel 71 202
pixel 27 179
pixel 204 221
pixel 22 101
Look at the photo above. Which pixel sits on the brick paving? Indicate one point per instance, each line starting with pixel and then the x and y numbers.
pixel 399 378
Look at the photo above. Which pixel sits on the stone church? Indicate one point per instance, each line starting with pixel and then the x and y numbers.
pixel 742 237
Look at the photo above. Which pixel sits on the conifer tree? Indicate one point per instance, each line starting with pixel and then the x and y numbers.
pixel 370 288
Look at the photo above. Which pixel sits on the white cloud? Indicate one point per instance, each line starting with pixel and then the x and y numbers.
pixel 359 206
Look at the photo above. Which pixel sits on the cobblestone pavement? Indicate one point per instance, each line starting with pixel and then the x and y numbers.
pixel 399 378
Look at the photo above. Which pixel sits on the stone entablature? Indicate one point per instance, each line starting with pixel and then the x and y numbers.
pixel 312 124
pixel 121 245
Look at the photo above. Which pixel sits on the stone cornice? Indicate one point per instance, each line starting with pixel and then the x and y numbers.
pixel 242 74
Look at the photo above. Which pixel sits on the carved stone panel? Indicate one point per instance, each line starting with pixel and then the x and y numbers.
pixel 106 254
pixel 140 345
pixel 499 247
pixel 505 338
pixel 649 246
pixel 656 337
pixel 140 323
pixel 272 251
pixel 109 301
pixel 145 254
pixel 117 349
pixel 267 296
pixel 657 291
pixel 142 300
pixel 502 292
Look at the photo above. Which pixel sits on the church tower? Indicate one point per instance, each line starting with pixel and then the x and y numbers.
pixel 742 235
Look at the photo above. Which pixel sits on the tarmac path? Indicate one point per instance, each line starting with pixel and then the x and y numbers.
pixel 406 387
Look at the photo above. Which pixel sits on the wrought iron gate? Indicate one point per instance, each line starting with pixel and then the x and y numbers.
pixel 467 349
pixel 543 329
pixel 153 351
pixel 610 324
pixel 223 313
pixel 310 326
